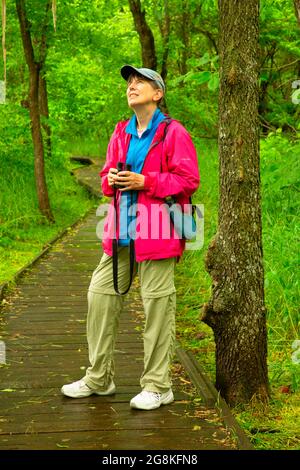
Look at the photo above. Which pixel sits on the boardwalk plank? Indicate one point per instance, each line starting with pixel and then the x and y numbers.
pixel 44 329
pixel 157 439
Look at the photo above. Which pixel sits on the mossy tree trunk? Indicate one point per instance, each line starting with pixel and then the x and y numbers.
pixel 236 311
pixel 35 67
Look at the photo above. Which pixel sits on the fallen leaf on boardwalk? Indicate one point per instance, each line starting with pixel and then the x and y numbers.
pixel 8 390
pixel 173 413
pixel 202 413
pixel 213 420
pixel 184 381
pixel 62 445
pixel 197 400
pixel 196 428
pixel 35 402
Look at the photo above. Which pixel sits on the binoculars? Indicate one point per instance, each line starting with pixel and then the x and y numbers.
pixel 122 167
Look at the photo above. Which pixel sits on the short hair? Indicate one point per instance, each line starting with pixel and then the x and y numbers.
pixel 154 85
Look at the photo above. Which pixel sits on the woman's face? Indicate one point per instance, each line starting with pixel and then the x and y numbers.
pixel 140 92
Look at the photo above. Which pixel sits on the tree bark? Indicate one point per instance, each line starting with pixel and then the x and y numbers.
pixel 44 111
pixel 43 94
pixel 184 34
pixel 297 10
pixel 164 27
pixel 145 34
pixel 34 68
pixel 236 311
pixel 297 13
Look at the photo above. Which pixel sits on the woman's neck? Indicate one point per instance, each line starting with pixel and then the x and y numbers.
pixel 143 117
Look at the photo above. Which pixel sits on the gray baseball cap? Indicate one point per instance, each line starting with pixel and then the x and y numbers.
pixel 127 70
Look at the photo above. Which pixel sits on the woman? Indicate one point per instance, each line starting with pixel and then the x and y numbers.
pixel 163 163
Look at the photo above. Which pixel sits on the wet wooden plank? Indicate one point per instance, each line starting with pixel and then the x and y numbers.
pixel 44 328
pixel 155 438
pixel 89 418
pixel 61 338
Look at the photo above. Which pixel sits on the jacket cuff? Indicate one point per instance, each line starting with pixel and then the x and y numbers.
pixel 106 189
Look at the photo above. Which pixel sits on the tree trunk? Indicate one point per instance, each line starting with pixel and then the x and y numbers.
pixel 165 26
pixel 37 139
pixel 236 311
pixel 297 10
pixel 145 34
pixel 44 111
pixel 34 112
pixel 184 34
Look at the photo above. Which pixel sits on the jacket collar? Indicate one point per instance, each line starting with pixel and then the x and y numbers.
pixel 159 134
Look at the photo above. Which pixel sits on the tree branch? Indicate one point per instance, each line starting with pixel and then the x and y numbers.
pixel 297 10
pixel 145 34
pixel 25 33
pixel 43 44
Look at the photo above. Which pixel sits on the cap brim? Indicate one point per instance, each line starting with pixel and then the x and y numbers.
pixel 127 70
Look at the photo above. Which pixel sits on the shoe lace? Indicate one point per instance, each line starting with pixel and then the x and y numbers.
pixel 155 395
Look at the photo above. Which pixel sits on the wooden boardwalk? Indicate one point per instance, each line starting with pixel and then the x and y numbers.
pixel 42 325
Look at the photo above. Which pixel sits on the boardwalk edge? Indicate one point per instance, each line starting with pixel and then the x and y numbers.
pixel 47 246
pixel 5 287
pixel 211 397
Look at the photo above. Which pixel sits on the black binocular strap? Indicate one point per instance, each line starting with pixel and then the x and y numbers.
pixel 115 251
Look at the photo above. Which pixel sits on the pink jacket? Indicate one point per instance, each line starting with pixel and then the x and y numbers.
pixel 179 177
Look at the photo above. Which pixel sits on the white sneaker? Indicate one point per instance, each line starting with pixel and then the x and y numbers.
pixel 151 400
pixel 79 389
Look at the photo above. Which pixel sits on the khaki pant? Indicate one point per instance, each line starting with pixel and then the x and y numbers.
pixel 104 308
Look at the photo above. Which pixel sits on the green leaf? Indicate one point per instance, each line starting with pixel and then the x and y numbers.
pixel 62 445
pixel 198 77
pixel 213 83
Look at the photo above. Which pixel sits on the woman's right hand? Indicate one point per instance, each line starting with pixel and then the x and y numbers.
pixel 110 176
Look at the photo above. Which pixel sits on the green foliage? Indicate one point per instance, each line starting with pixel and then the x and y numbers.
pixel 280 208
pixel 87 96
pixel 280 217
pixel 23 230
pixel 280 62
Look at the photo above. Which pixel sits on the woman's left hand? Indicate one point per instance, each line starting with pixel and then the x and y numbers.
pixel 129 180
